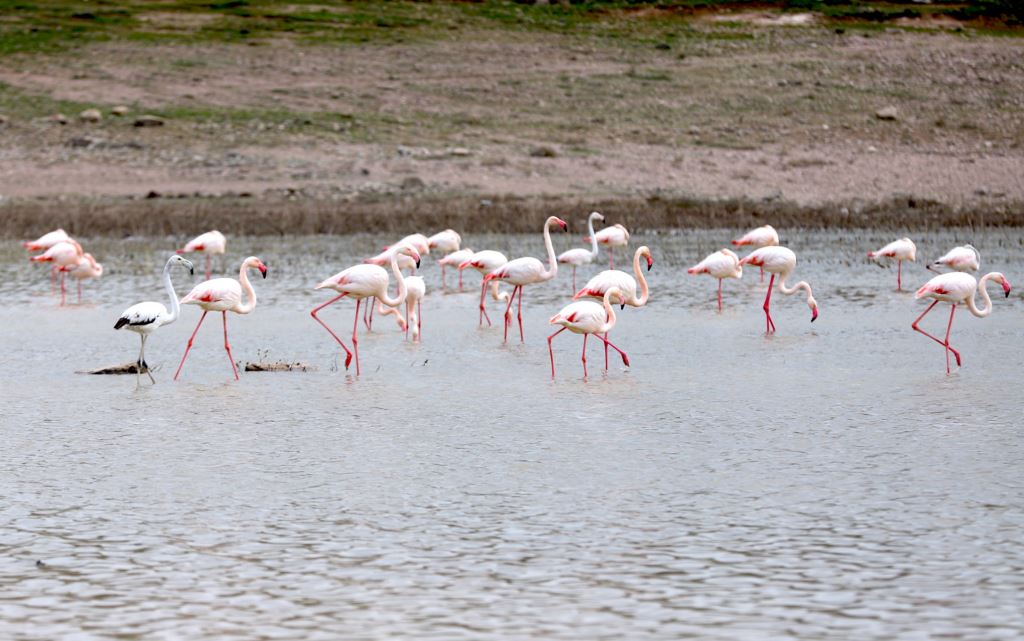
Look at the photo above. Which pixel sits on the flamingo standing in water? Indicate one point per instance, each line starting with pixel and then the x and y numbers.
pixel 485 262
pixel 764 236
pixel 63 254
pixel 416 289
pixel 365 281
pixel 223 295
pixel 960 259
pixel 898 250
pixel 526 271
pixel 957 288
pixel 45 242
pixel 587 317
pixel 210 243
pixel 721 265
pixel 779 261
pixel 599 285
pixel 454 259
pixel 86 267
pixel 383 259
pixel 146 318
pixel 611 237
pixel 580 256
pixel 445 242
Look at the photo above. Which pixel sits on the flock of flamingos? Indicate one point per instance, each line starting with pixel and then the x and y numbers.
pixel 593 315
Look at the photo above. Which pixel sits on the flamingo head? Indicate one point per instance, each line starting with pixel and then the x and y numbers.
pixel 597 216
pixel 1005 283
pixel 813 304
pixel 252 261
pixel 561 223
pixel 410 251
pixel 182 261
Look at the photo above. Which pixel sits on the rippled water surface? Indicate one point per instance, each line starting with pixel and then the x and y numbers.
pixel 829 482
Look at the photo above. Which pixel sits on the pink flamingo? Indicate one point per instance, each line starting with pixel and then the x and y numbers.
pixel 721 265
pixel 960 259
pixel 611 237
pixel 445 242
pixel 454 259
pixel 599 285
pixel 764 236
pixel 365 281
pixel 63 254
pixel 86 267
pixel 526 271
pixel 779 261
pixel 45 242
pixel 485 262
pixel 223 295
pixel 580 256
pixel 416 289
pixel 587 317
pixel 419 242
pixel 383 259
pixel 957 288
pixel 210 243
pixel 898 250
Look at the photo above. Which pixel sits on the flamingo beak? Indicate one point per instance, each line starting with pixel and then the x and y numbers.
pixel 1006 287
pixel 564 225
pixel 650 263
pixel 263 270
pixel 814 314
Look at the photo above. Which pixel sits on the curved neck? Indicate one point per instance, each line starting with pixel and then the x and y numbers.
pixel 644 291
pixel 789 291
pixel 981 313
pixel 395 302
pixel 175 307
pixel 609 312
pixel 552 269
pixel 593 238
pixel 243 278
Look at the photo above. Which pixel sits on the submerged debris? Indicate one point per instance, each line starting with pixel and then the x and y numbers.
pixel 127 368
pixel 277 366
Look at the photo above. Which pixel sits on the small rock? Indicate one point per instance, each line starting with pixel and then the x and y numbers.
pixel 90 115
pixel 872 149
pixel 543 152
pixel 663 46
pixel 3 119
pixel 459 151
pixel 119 110
pixel 693 131
pixel 887 113
pixel 413 182
pixel 149 120
pixel 60 119
pixel 82 142
pixel 153 194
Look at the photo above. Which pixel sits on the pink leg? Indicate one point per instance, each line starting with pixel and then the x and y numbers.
pixel 419 320
pixel 355 339
pixel 460 280
pixel 574 290
pixel 508 311
pixel 189 345
pixel 762 274
pixel 348 354
pixel 483 305
pixel 443 284
pixel 899 275
pixel 227 346
pixel 607 343
pixel 605 339
pixel 519 315
pixel 584 357
pixel 611 258
pixel 719 295
pixel 209 272
pixel 53 279
pixel 948 328
pixel 551 352
pixel 63 290
pixel 769 324
pixel 945 344
pixel 373 305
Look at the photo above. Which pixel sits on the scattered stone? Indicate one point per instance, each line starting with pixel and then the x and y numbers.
pixel 543 152
pixel 153 194
pixel 412 183
pixel 82 142
pixel 119 110
pixel 364 171
pixel 459 151
pixel 90 115
pixel 60 119
pixel 278 366
pixel 887 113
pixel 3 119
pixel 663 46
pixel 149 120
pixel 693 131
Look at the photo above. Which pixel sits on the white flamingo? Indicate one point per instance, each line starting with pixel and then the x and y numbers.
pixel 587 317
pixel 898 250
pixel 485 262
pixel 580 256
pixel 722 264
pixel 960 259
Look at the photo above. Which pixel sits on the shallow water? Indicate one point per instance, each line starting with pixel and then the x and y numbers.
pixel 827 482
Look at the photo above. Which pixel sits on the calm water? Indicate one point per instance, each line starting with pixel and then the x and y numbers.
pixel 830 482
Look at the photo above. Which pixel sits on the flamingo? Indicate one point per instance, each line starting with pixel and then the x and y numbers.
pixel 779 261
pixel 210 243
pixel 721 265
pixel 416 289
pixel 587 317
pixel 146 318
pixel 223 295
pixel 454 259
pixel 486 261
pixel 62 254
pixel 45 242
pixel 85 267
pixel 599 285
pixel 764 236
pixel 445 242
pixel 957 288
pixel 612 237
pixel 580 256
pixel 960 259
pixel 365 281
pixel 383 259
pixel 526 271
pixel 900 250
pixel 419 242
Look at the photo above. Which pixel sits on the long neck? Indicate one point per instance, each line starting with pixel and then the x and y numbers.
pixel 593 238
pixel 395 302
pixel 789 291
pixel 609 312
pixel 250 304
pixel 981 313
pixel 175 307
pixel 552 269
pixel 644 291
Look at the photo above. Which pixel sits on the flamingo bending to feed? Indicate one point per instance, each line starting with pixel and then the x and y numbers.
pixel 454 259
pixel 86 267
pixel 383 259
pixel 721 265
pixel 45 242
pixel 580 256
pixel 960 259
pixel 587 317
pixel 764 236
pixel 898 250
pixel 419 242
pixel 146 318
pixel 210 243
pixel 365 281
pixel 611 237
pixel 526 271
pixel 223 295
pixel 416 289
pixel 63 254
pixel 485 262
pixel 445 242
pixel 599 285
pixel 957 288
pixel 779 261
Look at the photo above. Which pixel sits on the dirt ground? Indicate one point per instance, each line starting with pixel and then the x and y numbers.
pixel 754 110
